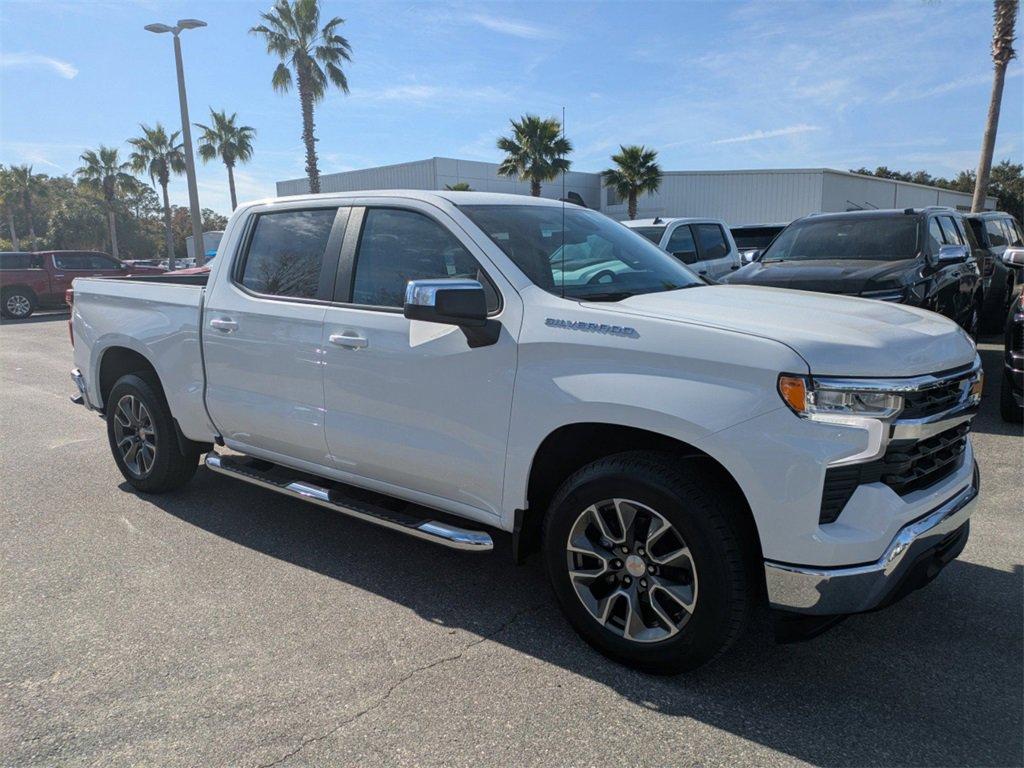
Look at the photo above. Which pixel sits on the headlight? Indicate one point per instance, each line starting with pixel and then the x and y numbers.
pixel 809 400
pixel 889 294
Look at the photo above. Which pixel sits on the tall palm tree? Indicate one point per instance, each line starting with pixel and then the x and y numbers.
pixel 293 33
pixel 636 172
pixel 535 151
pixel 9 200
pixel 1005 15
pixel 25 185
pixel 104 171
pixel 230 142
pixel 159 154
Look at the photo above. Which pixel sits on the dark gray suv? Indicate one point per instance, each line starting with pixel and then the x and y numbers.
pixel 994 231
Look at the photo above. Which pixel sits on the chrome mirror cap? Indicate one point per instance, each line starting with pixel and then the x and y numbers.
pixel 423 293
pixel 1014 256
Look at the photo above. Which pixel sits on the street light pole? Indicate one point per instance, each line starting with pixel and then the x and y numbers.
pixel 186 133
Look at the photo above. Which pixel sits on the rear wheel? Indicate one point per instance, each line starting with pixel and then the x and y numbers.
pixel 17 303
pixel 646 563
pixel 143 438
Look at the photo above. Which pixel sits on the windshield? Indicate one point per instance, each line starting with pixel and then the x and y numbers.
pixel 750 238
pixel 875 238
pixel 601 260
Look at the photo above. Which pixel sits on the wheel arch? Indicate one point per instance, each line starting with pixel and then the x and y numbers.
pixel 570 447
pixel 117 361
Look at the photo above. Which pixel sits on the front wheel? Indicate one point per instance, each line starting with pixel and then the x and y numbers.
pixel 143 438
pixel 646 563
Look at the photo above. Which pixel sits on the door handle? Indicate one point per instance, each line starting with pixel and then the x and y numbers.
pixel 349 339
pixel 225 324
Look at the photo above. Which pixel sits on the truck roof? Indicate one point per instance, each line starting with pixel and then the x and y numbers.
pixel 661 221
pixel 458 198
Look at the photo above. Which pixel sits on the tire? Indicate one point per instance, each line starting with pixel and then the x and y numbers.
pixel 137 411
pixel 1008 407
pixel 714 579
pixel 993 311
pixel 17 303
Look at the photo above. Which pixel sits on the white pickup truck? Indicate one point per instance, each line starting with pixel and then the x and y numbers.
pixel 448 363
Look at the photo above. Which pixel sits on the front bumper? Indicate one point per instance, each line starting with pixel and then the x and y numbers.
pixel 914 556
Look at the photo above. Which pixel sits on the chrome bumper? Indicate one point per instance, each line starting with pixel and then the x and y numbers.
pixel 82 398
pixel 858 588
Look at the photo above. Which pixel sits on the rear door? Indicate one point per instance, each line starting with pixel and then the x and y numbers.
pixel 263 333
pixel 411 406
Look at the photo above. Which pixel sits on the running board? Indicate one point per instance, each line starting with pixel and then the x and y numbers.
pixel 430 530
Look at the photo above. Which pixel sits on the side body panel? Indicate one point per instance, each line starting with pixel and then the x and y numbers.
pixel 684 381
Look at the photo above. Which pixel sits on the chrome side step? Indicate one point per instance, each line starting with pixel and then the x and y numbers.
pixel 430 530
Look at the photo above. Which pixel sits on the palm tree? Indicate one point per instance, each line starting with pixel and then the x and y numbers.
pixel 159 154
pixel 9 200
pixel 231 143
pixel 459 186
pixel 25 184
pixel 293 33
pixel 637 172
pixel 1005 14
pixel 535 152
pixel 102 170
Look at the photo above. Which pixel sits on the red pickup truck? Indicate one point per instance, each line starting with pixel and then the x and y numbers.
pixel 29 281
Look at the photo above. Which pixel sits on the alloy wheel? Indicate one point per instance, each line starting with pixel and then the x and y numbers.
pixel 17 305
pixel 135 435
pixel 632 570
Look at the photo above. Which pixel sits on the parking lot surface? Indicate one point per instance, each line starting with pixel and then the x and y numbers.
pixel 225 625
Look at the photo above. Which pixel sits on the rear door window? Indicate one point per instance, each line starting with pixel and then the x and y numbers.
pixel 710 241
pixel 286 253
pixel 19 261
pixel 1012 238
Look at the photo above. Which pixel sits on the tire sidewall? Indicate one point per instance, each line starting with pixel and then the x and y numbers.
pixel 700 638
pixel 166 437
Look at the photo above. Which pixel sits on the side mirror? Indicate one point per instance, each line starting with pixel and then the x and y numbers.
pixel 450 301
pixel 952 254
pixel 1014 256
pixel 687 257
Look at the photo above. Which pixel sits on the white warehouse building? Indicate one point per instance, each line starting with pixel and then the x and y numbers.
pixel 737 197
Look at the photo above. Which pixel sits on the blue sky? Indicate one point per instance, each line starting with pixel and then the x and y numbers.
pixel 711 85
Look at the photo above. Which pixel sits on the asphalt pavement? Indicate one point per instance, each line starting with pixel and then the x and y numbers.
pixel 225 625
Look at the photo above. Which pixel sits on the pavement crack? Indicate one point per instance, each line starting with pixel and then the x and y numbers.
pixel 381 700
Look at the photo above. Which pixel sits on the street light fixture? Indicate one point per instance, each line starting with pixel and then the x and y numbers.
pixel 186 131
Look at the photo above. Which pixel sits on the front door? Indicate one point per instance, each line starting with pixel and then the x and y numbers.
pixel 263 333
pixel 411 407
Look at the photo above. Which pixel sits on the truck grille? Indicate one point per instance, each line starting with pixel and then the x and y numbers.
pixel 907 466
pixel 932 400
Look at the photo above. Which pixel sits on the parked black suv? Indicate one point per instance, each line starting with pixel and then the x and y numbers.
pixel 925 257
pixel 1011 393
pixel 995 231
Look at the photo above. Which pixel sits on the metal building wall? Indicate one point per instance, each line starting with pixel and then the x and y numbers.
pixel 737 197
pixel 437 172
pixel 419 174
pixel 845 191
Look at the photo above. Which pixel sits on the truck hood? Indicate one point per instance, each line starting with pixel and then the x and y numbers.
pixel 849 276
pixel 836 335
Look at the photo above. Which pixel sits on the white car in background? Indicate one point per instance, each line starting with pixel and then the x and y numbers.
pixel 704 245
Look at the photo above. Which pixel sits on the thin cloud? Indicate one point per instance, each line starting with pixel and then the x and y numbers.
pixel 62 68
pixel 512 27
pixel 910 93
pixel 758 135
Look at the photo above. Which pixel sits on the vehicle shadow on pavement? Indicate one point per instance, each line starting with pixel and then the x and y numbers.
pixel 934 680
